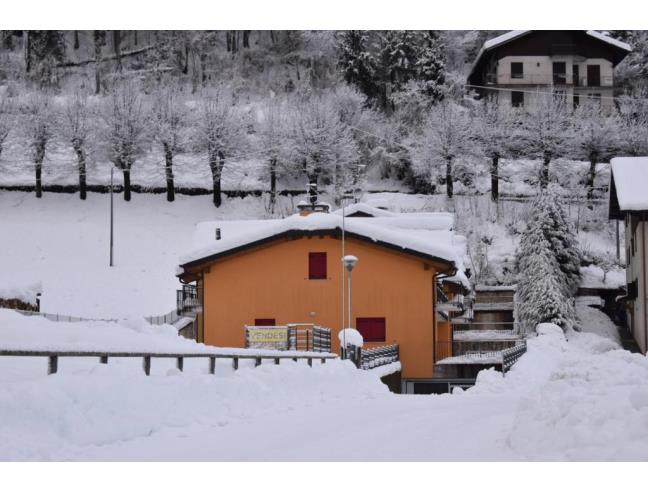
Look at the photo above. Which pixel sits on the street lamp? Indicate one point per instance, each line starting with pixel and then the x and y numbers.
pixel 349 262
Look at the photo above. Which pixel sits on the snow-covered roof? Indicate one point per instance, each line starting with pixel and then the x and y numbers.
pixel 630 176
pixel 364 208
pixel 425 234
pixel 511 35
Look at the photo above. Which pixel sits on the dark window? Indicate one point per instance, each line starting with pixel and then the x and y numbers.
pixel 316 266
pixel 517 99
pixel 559 72
pixel 576 75
pixel 633 290
pixel 593 75
pixel 265 322
pixel 576 100
pixel 517 70
pixel 371 329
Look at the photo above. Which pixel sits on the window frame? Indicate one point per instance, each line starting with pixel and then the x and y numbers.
pixel 311 258
pixel 360 320
pixel 515 74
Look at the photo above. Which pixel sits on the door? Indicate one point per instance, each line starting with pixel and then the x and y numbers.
pixel 576 75
pixel 559 73
pixel 593 75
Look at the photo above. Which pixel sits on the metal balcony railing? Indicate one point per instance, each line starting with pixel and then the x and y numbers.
pixel 548 79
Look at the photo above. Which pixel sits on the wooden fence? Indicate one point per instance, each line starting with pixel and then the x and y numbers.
pixel 54 355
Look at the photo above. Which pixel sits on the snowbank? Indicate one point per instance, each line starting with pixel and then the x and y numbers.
pixel 351 336
pixel 25 293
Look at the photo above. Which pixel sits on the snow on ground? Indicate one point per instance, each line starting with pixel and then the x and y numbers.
pixel 592 277
pixel 595 321
pixel 577 400
pixel 63 243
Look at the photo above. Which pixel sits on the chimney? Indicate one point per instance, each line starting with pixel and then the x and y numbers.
pixel 305 208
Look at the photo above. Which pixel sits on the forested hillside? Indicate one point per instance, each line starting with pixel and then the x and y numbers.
pixel 273 110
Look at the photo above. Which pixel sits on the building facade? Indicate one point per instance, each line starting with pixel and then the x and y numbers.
pixel 629 203
pixel 289 271
pixel 521 68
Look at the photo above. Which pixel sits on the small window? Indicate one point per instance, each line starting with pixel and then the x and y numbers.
pixel 559 73
pixel 372 329
pixel 517 70
pixel 316 266
pixel 517 99
pixel 265 322
pixel 576 100
pixel 576 75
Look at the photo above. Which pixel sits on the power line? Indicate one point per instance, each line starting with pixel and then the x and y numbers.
pixel 510 89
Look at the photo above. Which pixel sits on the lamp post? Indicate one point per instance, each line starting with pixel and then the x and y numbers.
pixel 112 169
pixel 350 262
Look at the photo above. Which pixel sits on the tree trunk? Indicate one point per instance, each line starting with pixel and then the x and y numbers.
pixel 38 167
pixel 203 67
pixel 97 54
pixel 117 49
pixel 495 179
pixel 228 41
pixel 216 163
pixel 27 52
pixel 591 175
pixel 246 39
pixel 168 169
pixel 544 174
pixel 127 184
pixel 273 184
pixel 135 40
pixel 449 182
pixel 76 40
pixel 81 159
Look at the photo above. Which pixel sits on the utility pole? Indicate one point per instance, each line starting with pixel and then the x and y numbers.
pixel 112 169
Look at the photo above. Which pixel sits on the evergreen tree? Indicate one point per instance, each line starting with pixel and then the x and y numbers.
pixel 356 62
pixel 431 66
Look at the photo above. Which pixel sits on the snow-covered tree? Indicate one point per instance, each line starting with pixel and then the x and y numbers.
pixel 39 127
pixel 356 61
pixel 6 120
pixel 546 131
pixel 633 116
pixel 447 136
pixel 77 127
pixel 219 131
pixel 322 146
pixel 541 295
pixel 597 137
pixel 272 126
pixel 494 130
pixel 168 119
pixel 125 130
pixel 430 66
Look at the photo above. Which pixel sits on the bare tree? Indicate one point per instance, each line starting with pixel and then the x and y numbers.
pixel 447 135
pixel 494 131
pixel 40 122
pixel 219 132
pixel 99 37
pixel 125 130
pixel 596 137
pixel 77 127
pixel 546 132
pixel 168 118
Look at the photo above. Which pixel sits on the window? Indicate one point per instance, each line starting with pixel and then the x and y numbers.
pixel 576 100
pixel 265 322
pixel 559 72
pixel 593 75
pixel 517 70
pixel 316 266
pixel 517 99
pixel 576 75
pixel 371 329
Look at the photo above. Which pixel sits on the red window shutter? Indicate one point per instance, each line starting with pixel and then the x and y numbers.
pixel 372 329
pixel 316 266
pixel 265 322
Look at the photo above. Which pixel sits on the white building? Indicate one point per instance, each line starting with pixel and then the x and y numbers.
pixel 629 202
pixel 520 68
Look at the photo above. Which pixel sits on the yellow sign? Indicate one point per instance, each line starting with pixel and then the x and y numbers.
pixel 268 335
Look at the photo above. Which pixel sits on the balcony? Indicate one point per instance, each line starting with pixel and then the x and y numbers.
pixel 188 300
pixel 561 79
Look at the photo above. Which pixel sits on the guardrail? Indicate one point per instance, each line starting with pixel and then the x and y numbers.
pixel 475 349
pixel 512 355
pixel 496 326
pixel 54 355
pixel 62 317
pixel 371 358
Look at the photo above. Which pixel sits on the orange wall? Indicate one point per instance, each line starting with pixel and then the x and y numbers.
pixel 271 281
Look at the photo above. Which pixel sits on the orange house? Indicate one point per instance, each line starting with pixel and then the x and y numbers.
pixel 261 272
